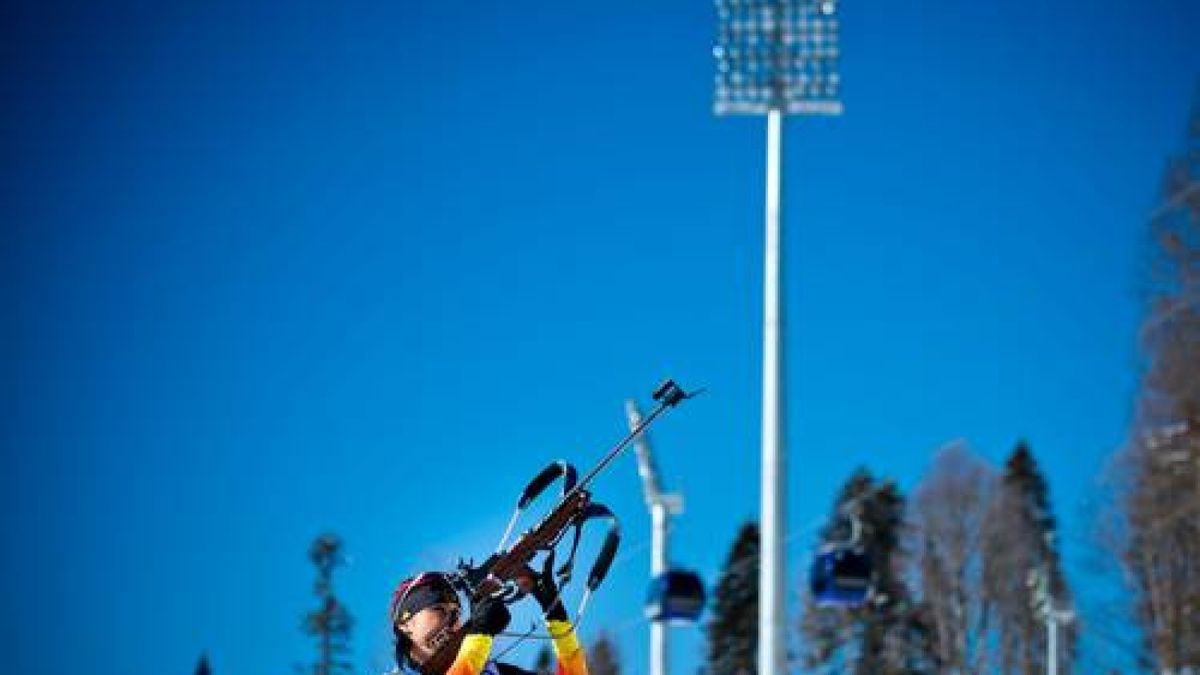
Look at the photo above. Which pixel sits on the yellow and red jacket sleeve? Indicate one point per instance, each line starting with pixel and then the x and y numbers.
pixel 570 655
pixel 472 655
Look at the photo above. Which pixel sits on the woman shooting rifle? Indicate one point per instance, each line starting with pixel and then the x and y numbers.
pixel 430 637
pixel 425 612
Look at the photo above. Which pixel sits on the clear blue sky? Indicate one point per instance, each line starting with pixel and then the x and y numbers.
pixel 276 268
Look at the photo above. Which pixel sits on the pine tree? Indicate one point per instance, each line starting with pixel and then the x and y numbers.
pixel 889 634
pixel 1020 547
pixel 733 628
pixel 331 623
pixel 603 657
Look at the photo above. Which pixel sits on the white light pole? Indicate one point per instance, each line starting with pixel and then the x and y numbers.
pixel 1053 618
pixel 662 507
pixel 1045 604
pixel 775 57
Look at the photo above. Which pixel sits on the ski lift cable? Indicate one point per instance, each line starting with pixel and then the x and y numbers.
pixel 639 618
pixel 788 539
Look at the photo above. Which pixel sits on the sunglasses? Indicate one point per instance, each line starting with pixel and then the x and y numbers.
pixel 448 612
pixel 402 593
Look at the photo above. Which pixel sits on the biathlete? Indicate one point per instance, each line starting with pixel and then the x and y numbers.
pixel 425 610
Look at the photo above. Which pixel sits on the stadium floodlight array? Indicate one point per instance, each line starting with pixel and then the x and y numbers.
pixel 775 58
pixel 777 55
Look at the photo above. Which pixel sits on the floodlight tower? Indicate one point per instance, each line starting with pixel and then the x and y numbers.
pixel 775 57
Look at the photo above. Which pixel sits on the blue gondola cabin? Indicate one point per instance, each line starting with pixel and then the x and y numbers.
pixel 840 576
pixel 676 596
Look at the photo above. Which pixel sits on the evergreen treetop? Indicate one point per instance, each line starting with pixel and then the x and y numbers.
pixel 733 628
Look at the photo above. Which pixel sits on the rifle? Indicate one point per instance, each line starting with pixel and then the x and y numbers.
pixel 497 575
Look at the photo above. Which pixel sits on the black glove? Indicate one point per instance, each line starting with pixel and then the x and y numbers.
pixel 489 616
pixel 545 591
